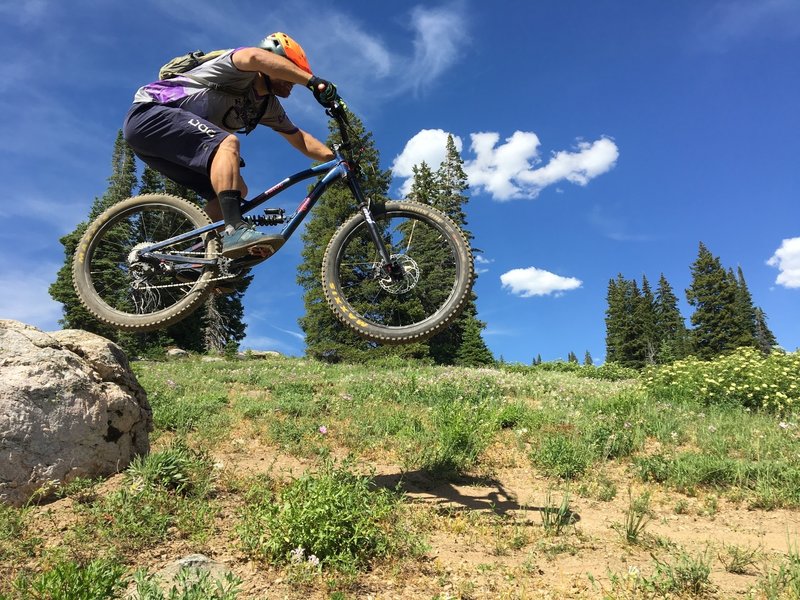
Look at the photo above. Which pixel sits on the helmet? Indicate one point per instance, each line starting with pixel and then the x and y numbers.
pixel 282 45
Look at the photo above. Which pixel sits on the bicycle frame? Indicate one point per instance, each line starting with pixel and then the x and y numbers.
pixel 331 171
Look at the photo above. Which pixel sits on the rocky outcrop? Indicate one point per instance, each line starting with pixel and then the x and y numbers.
pixel 69 406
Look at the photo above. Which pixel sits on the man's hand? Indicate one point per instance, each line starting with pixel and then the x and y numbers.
pixel 324 91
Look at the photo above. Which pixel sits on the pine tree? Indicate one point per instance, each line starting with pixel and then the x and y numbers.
pixel 473 351
pixel 449 187
pixel 326 337
pixel 765 339
pixel 745 311
pixel 713 293
pixel 628 320
pixel 572 358
pixel 587 359
pixel 645 322
pixel 673 337
pixel 615 319
pixel 423 184
pixel 754 329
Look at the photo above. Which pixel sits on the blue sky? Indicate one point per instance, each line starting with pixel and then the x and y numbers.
pixel 599 137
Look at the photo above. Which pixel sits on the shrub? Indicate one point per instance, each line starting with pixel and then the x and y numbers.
pixel 177 468
pixel 562 454
pixel 333 515
pixel 68 580
pixel 460 432
pixel 744 377
pixel 190 584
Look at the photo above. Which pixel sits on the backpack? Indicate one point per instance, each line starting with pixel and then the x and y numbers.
pixel 181 65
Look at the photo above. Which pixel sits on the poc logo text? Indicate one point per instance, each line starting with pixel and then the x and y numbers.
pixel 202 127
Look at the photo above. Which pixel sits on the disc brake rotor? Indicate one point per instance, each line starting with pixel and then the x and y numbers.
pixel 410 278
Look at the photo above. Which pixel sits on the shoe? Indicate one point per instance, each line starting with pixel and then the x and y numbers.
pixel 246 240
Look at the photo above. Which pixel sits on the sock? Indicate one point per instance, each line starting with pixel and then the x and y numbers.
pixel 230 204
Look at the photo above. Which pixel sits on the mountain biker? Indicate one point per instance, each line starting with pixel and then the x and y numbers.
pixel 184 128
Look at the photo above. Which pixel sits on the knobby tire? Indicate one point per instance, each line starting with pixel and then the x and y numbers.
pixel 428 245
pixel 102 275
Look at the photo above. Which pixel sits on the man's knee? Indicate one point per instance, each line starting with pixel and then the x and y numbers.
pixel 229 144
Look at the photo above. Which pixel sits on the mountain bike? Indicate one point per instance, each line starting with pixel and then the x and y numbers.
pixel 393 272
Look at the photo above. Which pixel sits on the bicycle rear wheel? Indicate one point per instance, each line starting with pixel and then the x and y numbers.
pixel 131 292
pixel 433 256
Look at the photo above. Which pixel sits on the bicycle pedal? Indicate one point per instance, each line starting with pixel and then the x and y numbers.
pixel 261 251
pixel 265 249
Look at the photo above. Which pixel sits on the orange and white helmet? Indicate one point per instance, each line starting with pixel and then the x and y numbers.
pixel 282 45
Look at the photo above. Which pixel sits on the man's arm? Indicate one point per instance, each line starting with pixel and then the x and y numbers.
pixel 309 145
pixel 272 65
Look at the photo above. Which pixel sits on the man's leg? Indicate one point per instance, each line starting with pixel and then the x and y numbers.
pixel 226 179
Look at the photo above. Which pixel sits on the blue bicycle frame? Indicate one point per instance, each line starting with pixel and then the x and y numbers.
pixel 331 171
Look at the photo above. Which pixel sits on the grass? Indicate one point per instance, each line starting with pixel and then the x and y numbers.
pixel 637 517
pixel 331 525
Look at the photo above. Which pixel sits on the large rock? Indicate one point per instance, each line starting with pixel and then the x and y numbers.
pixel 69 406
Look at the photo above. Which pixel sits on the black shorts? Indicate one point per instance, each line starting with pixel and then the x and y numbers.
pixel 174 142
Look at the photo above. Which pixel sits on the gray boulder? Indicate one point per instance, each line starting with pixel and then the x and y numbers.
pixel 69 407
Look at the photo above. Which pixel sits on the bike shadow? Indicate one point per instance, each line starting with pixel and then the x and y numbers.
pixel 461 493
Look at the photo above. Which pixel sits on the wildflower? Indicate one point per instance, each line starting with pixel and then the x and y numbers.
pixel 674 436
pixel 171 383
pixel 313 561
pixel 296 555
pixel 711 428
pixel 784 425
pixel 323 430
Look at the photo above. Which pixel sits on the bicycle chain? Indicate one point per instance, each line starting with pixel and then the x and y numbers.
pixel 184 284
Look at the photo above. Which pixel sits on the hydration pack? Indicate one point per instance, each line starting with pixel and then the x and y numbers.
pixel 186 62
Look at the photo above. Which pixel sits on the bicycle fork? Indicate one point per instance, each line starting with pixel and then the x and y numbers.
pixel 388 264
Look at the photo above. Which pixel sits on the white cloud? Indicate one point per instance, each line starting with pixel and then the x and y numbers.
pixel 295 334
pixel 787 260
pixel 439 36
pixel 482 264
pixel 508 171
pixel 537 282
pixel 427 146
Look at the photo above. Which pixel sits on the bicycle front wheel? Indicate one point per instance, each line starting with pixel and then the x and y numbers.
pixel 124 289
pixel 436 270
